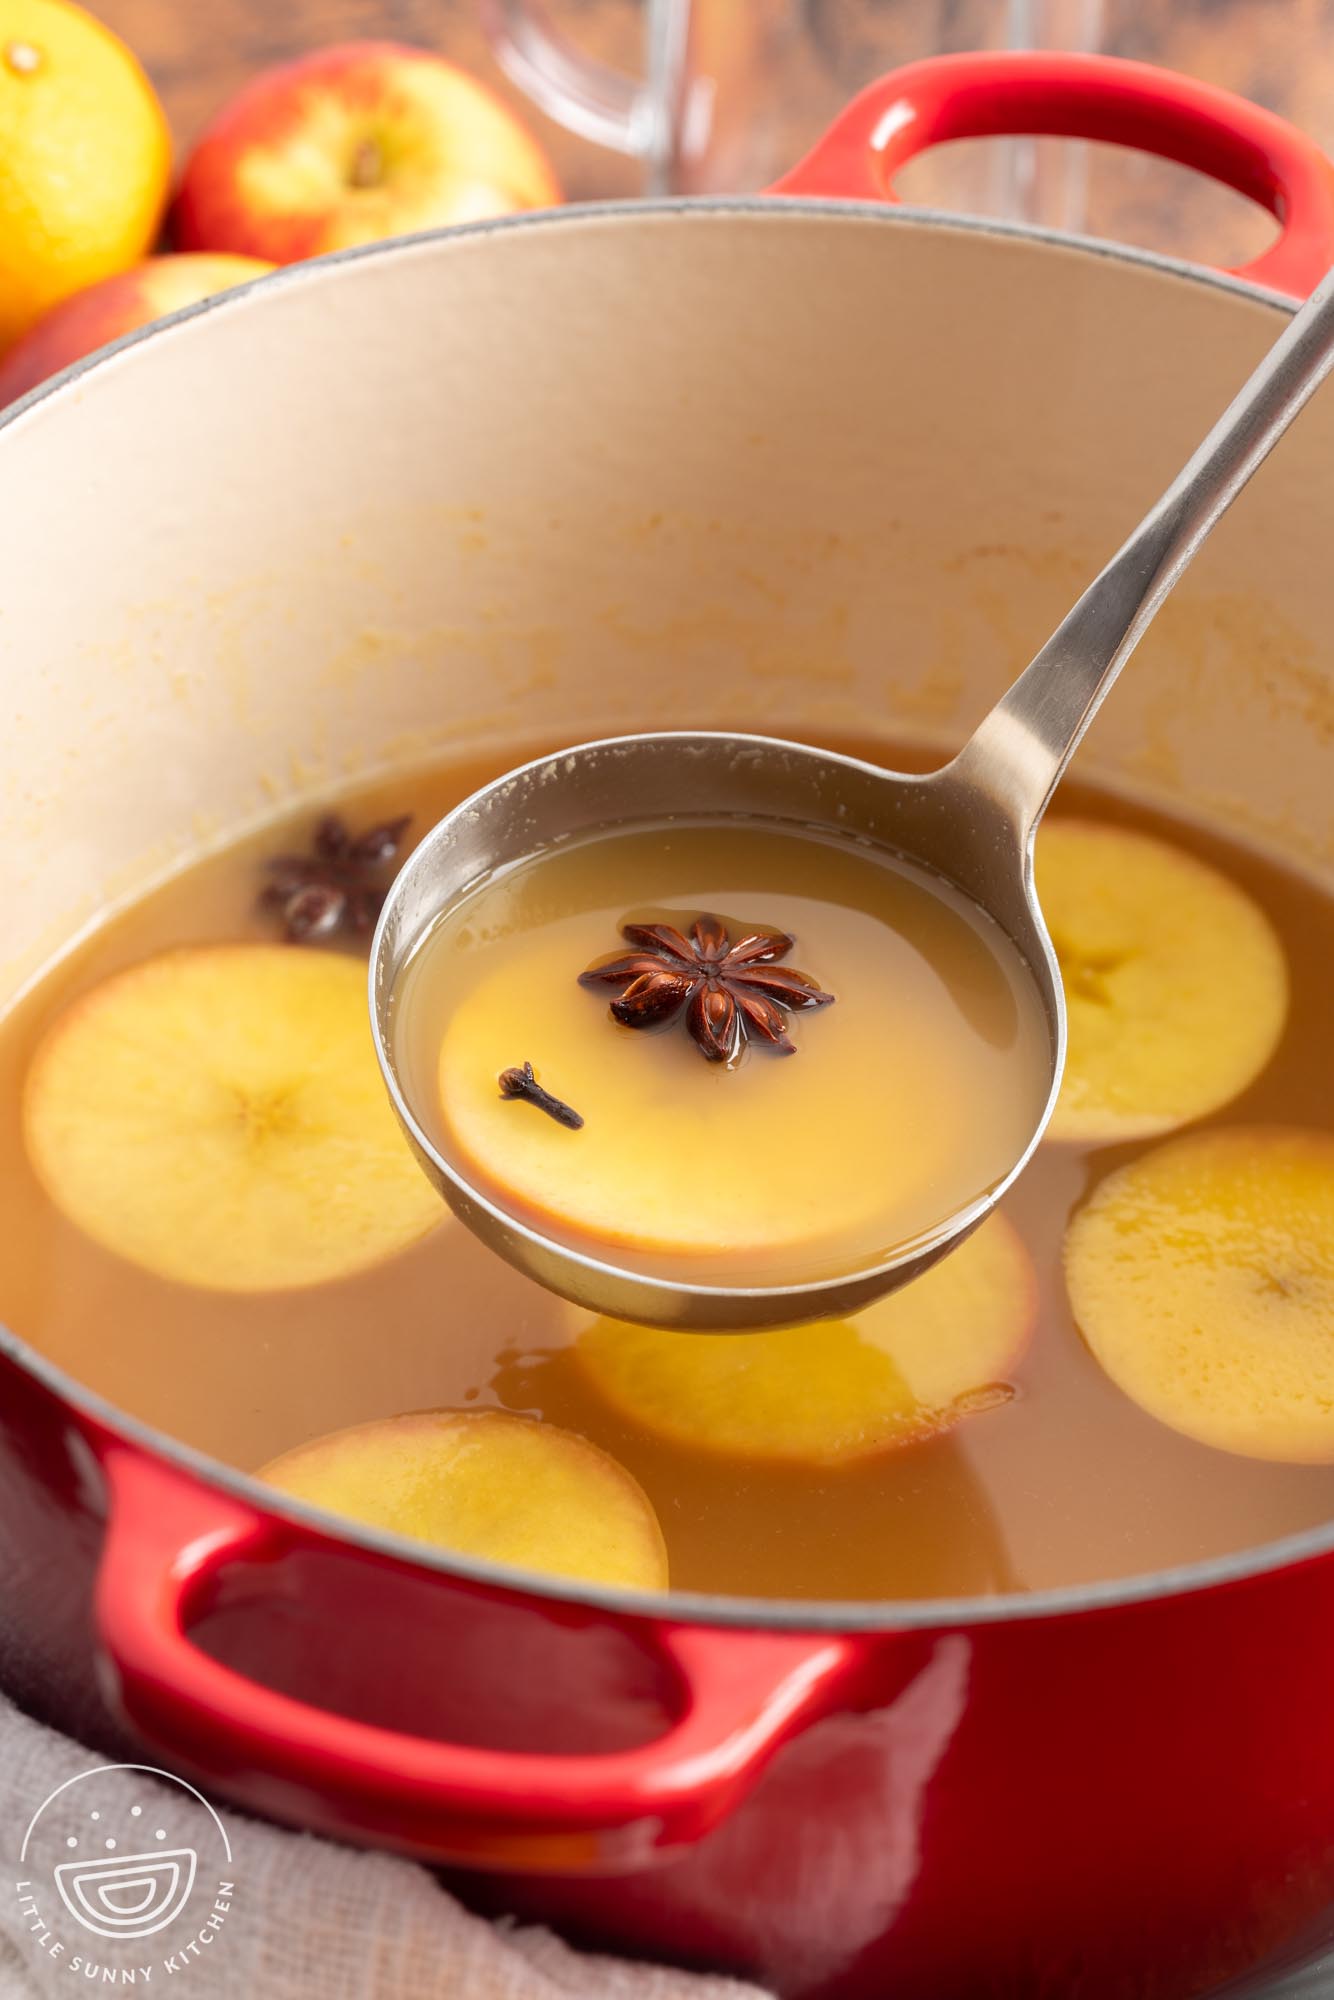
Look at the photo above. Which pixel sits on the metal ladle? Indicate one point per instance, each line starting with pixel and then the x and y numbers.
pixel 972 822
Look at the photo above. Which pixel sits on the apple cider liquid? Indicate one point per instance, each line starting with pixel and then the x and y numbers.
pixel 765 1472
pixel 893 1080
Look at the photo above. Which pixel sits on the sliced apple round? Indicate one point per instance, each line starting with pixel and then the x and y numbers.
pixel 485 1483
pixel 909 1366
pixel 216 1116
pixel 1175 982
pixel 1202 1278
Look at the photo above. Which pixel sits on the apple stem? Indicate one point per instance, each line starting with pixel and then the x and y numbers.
pixel 367 169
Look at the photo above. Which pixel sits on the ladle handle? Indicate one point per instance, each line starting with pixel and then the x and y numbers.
pixel 1022 747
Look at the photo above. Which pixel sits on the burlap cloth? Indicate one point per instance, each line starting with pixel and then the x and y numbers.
pixel 310 1918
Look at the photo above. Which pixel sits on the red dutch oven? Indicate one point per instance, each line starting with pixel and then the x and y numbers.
pixel 819 464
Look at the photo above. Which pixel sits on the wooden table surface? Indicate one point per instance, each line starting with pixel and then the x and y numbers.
pixel 1280 52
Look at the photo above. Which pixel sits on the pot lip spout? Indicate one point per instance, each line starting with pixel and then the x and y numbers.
pixel 774 210
pixel 100 1422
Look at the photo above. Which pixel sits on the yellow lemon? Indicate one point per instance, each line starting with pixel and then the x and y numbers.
pixel 85 158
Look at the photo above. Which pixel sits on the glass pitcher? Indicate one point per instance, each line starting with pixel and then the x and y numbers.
pixel 733 92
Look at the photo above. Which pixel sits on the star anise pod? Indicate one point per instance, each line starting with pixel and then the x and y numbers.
pixel 340 885
pixel 730 993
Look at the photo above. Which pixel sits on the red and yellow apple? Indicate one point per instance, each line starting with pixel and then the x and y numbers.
pixel 116 306
pixel 351 144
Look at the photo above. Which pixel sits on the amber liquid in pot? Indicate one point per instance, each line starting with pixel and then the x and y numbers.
pixel 1067 1482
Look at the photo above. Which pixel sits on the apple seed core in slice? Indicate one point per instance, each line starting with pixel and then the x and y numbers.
pixel 216 1116
pixel 1176 986
pixel 1202 1278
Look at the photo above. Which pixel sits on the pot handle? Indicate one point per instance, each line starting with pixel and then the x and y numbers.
pixel 1035 92
pixel 167 1538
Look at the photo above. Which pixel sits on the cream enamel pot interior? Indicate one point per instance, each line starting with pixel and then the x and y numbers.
pixel 806 468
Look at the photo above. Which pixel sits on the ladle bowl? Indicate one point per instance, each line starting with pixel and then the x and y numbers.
pixel 936 819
